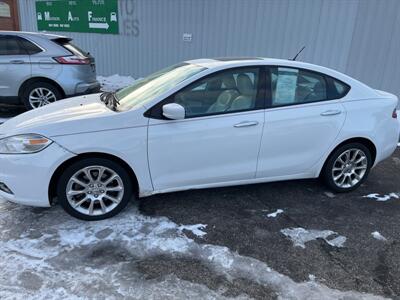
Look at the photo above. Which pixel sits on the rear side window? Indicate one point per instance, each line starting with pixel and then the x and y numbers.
pixel 29 47
pixel 339 89
pixel 10 45
pixel 295 86
pixel 290 86
pixel 15 45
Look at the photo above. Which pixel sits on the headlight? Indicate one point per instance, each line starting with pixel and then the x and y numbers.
pixel 24 143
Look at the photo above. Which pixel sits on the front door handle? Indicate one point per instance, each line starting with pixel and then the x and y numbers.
pixel 17 61
pixel 331 112
pixel 246 124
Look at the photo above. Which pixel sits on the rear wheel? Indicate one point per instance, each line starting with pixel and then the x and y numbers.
pixel 94 189
pixel 347 167
pixel 39 94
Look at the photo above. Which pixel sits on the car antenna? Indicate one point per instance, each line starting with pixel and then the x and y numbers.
pixel 301 50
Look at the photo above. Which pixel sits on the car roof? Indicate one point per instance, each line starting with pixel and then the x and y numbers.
pixel 232 61
pixel 226 62
pixel 35 34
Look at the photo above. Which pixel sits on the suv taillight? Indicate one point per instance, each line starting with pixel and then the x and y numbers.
pixel 394 114
pixel 72 60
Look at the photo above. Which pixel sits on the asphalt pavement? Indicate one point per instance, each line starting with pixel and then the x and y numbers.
pixel 292 239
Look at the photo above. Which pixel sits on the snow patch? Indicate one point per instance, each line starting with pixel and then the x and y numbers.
pixel 300 236
pixel 114 82
pixel 383 198
pixel 311 277
pixel 378 236
pixel 329 194
pixel 275 214
pixel 197 229
pixel 61 253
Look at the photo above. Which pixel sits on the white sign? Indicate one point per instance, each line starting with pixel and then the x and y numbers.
pixel 187 37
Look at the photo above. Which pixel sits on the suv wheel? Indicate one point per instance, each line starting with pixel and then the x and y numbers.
pixel 39 94
pixel 347 167
pixel 94 189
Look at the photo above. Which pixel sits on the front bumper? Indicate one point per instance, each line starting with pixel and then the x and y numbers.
pixel 28 175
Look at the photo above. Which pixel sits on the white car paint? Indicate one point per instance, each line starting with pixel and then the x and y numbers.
pixel 170 155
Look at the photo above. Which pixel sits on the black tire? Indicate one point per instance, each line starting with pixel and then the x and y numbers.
pixel 327 171
pixel 88 162
pixel 38 84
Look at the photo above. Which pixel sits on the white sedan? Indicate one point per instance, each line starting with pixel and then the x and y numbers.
pixel 198 124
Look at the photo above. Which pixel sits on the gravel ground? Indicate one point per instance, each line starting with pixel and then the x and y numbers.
pixel 214 244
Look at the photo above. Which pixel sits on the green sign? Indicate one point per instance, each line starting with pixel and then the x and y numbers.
pixel 99 16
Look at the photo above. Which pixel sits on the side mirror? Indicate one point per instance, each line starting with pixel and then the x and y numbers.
pixel 173 111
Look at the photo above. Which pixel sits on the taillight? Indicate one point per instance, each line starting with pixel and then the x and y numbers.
pixel 394 114
pixel 72 60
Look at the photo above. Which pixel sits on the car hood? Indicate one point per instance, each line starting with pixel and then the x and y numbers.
pixel 70 116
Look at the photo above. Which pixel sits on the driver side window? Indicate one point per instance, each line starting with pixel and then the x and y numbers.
pixel 226 91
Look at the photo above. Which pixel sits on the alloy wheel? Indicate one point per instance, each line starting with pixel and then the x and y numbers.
pixel 95 190
pixel 41 96
pixel 349 168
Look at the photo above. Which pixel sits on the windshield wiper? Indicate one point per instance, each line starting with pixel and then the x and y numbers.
pixel 110 100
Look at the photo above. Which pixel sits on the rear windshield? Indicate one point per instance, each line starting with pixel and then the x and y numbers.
pixel 67 44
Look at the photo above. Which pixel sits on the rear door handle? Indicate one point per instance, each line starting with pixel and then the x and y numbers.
pixel 331 112
pixel 246 124
pixel 17 61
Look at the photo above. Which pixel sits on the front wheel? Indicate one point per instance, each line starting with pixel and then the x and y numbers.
pixel 347 167
pixel 94 189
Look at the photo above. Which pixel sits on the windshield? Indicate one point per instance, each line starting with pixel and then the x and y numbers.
pixel 146 89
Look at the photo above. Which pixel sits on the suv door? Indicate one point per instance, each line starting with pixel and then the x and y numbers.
pixel 219 139
pixel 15 66
pixel 303 118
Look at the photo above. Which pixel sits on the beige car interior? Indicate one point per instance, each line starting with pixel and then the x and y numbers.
pixel 237 96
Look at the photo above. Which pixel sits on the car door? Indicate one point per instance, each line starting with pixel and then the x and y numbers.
pixel 15 65
pixel 218 141
pixel 302 121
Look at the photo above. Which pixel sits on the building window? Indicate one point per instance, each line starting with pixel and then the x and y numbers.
pixel 5 10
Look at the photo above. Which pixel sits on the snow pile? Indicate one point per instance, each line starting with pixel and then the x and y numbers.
pixel 275 214
pixel 383 198
pixel 378 236
pixel 114 82
pixel 300 236
pixel 49 255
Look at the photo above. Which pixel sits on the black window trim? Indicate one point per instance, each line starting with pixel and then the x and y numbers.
pixel 327 78
pixel 155 112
